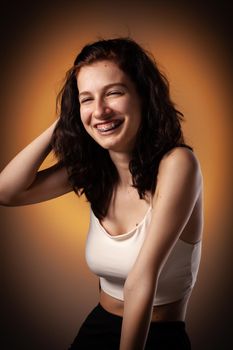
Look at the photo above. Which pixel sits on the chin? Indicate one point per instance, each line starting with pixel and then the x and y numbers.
pixel 112 145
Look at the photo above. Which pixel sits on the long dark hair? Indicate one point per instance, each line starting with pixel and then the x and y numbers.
pixel 90 168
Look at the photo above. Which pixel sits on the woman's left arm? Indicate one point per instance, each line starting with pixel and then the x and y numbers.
pixel 179 183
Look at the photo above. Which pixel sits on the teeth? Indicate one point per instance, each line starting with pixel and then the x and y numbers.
pixel 108 126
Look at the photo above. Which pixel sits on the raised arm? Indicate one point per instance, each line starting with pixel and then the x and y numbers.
pixel 179 185
pixel 20 181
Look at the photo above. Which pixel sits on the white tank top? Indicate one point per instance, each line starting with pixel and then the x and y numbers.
pixel 112 257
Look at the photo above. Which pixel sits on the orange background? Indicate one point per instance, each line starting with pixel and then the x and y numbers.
pixel 47 287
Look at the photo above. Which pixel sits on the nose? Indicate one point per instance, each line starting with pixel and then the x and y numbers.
pixel 101 109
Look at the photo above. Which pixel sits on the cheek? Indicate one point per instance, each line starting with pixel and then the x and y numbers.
pixel 121 105
pixel 84 116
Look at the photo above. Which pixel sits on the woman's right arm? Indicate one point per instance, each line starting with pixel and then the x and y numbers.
pixel 20 181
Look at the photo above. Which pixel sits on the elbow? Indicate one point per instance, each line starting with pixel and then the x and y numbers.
pixel 143 288
pixel 10 196
pixel 6 200
pixel 141 277
pixel 5 195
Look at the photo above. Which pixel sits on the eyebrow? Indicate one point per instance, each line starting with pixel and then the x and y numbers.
pixel 105 88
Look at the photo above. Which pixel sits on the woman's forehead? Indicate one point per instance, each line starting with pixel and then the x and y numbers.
pixel 100 66
pixel 100 73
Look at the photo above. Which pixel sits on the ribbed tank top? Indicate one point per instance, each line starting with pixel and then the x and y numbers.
pixel 112 257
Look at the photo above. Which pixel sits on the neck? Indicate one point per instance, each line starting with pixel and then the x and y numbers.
pixel 121 161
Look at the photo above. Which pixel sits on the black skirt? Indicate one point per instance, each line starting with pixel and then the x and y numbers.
pixel 102 330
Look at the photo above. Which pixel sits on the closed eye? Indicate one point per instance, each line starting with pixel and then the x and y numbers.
pixel 85 99
pixel 114 93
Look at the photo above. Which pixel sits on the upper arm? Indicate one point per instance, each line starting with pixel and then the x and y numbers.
pixel 48 184
pixel 179 183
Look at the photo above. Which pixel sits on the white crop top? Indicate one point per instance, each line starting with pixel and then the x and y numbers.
pixel 112 257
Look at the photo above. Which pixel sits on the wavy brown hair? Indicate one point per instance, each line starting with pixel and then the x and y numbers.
pixel 90 168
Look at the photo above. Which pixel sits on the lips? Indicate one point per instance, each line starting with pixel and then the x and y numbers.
pixel 109 125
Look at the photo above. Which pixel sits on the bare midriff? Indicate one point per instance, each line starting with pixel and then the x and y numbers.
pixel 174 311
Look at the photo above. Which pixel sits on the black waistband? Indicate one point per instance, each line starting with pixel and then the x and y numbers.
pixel 157 324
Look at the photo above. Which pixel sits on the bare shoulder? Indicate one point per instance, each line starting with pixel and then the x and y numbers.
pixel 179 167
pixel 180 159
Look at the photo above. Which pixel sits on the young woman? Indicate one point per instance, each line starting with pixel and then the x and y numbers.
pixel 118 140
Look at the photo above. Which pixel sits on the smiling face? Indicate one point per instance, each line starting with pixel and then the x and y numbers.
pixel 110 106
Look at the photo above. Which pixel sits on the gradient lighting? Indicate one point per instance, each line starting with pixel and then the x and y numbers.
pixel 48 283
